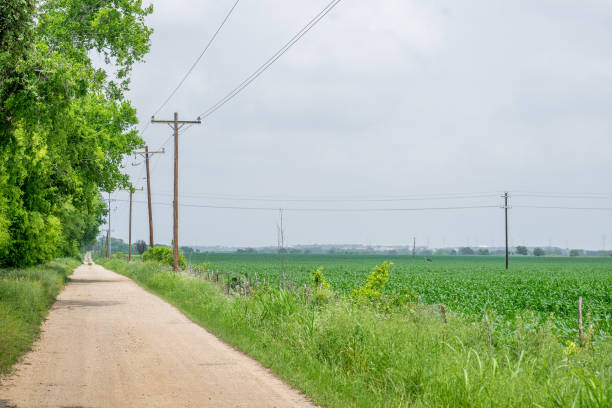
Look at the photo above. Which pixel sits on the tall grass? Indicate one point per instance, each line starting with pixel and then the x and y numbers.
pixel 25 297
pixel 349 354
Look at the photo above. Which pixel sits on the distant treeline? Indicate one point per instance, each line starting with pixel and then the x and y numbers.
pixel 65 124
pixel 400 250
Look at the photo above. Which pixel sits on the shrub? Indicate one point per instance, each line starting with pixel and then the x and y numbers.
pixel 119 255
pixel 164 255
pixel 522 250
pixel 322 288
pixel 466 251
pixel 318 279
pixel 375 283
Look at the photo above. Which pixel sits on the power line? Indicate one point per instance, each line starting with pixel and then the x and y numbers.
pixel 262 68
pixel 315 200
pixel 226 207
pixel 212 39
pixel 563 208
pixel 563 195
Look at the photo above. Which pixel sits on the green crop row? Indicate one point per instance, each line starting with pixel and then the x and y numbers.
pixel 545 289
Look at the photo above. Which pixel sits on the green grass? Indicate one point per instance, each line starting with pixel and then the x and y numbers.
pixel 349 354
pixel 25 297
pixel 543 286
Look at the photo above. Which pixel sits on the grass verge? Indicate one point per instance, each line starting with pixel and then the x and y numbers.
pixel 349 354
pixel 25 298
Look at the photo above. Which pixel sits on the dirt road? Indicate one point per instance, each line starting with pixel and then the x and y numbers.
pixel 109 343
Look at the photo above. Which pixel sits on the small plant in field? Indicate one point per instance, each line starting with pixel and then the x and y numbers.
pixel 375 283
pixel 322 288
pixel 571 349
pixel 318 279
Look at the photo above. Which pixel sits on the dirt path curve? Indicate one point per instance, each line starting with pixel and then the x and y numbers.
pixel 109 343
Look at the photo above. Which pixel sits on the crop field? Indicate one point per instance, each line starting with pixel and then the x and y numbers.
pixel 536 289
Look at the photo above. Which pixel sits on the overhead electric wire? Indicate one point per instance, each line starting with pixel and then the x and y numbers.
pixel 559 207
pixel 596 196
pixel 226 207
pixel 314 200
pixel 262 68
pixel 190 70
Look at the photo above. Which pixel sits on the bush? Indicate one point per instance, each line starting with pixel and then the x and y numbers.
pixel 164 255
pixel 575 252
pixel 322 288
pixel 522 250
pixel 375 283
pixel 119 255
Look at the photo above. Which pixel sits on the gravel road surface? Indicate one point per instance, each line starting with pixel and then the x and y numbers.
pixel 109 343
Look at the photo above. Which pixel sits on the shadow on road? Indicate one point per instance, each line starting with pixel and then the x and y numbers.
pixel 86 281
pixel 85 303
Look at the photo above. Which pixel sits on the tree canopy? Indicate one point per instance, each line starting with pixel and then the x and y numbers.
pixel 65 124
pixel 522 250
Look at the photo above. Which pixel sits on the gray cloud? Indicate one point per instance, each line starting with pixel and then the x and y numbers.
pixel 385 98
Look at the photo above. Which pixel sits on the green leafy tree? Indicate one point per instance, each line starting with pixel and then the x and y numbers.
pixel 483 251
pixel 538 252
pixel 466 251
pixel 522 250
pixel 65 125
pixel 575 252
pixel 141 246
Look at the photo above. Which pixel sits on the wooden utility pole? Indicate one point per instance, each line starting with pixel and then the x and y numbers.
pixel 130 229
pixel 413 247
pixel 176 125
pixel 146 155
pixel 505 197
pixel 108 231
pixel 131 191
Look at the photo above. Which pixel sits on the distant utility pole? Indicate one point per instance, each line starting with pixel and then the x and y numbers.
pixel 413 247
pixel 176 125
pixel 108 231
pixel 131 191
pixel 505 207
pixel 146 155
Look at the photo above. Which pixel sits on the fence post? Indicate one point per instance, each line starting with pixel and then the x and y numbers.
pixel 443 311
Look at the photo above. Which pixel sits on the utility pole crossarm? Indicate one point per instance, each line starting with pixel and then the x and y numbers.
pixel 162 151
pixel 180 122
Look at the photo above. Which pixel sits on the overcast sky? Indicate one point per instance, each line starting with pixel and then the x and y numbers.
pixel 392 98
